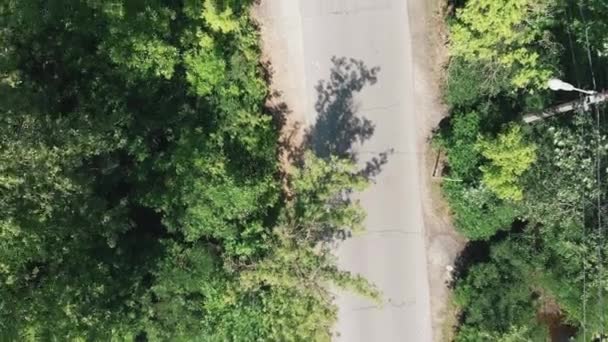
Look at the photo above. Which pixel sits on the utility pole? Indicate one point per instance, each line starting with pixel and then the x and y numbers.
pixel 584 103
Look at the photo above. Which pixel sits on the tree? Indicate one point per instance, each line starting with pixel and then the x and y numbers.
pixel 540 183
pixel 489 308
pixel 505 35
pixel 509 158
pixel 478 212
pixel 560 202
pixel 140 196
pixel 516 334
pixel 469 83
pixel 286 295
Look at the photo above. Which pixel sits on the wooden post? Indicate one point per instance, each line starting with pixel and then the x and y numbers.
pixel 436 163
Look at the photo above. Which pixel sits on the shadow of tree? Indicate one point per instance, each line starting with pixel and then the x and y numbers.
pixel 479 251
pixel 339 127
pixel 475 252
pixel 373 167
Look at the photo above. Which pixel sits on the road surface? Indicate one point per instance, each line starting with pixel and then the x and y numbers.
pixel 304 36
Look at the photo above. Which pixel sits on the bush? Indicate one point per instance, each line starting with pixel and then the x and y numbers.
pixel 496 297
pixel 463 159
pixel 469 83
pixel 509 156
pixel 478 214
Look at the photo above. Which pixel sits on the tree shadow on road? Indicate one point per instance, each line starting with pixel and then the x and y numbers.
pixel 339 127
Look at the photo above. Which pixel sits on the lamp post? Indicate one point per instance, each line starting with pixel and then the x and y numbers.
pixel 557 84
pixel 592 98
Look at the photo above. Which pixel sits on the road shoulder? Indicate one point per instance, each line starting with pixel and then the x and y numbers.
pixel 443 243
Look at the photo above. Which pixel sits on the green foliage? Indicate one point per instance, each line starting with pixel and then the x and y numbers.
pixel 544 176
pixel 505 36
pixel 321 183
pixel 463 157
pixel 563 174
pixel 509 158
pixel 139 189
pixel 185 277
pixel 219 21
pixel 207 193
pixel 558 242
pixel 561 207
pixel 471 82
pixel 137 39
pixel 320 211
pixel 291 299
pixel 490 307
pixel 515 334
pixel 205 67
pixel 478 213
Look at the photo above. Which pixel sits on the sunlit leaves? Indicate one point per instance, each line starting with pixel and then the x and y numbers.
pixel 139 182
pixel 510 156
pixel 504 35
pixel 219 20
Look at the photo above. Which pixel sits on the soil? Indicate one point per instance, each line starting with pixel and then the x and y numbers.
pixel 443 243
pixel 287 102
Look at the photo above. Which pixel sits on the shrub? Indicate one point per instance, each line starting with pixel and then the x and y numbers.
pixel 478 213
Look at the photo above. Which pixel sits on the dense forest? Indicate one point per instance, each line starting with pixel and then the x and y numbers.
pixel 141 195
pixel 531 198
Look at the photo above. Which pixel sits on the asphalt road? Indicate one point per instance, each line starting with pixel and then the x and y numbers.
pixel 353 115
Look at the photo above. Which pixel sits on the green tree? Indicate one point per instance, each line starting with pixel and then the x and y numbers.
pixel 286 295
pixel 515 334
pixel 140 196
pixel 545 177
pixel 467 83
pixel 505 35
pixel 497 295
pixel 560 207
pixel 509 157
pixel 478 212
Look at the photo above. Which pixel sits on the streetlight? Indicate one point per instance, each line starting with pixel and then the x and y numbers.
pixel 556 84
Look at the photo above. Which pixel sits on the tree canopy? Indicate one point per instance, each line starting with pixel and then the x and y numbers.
pixel 505 35
pixel 140 192
pixel 509 157
pixel 530 198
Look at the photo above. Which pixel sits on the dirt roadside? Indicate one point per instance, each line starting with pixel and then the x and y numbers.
pixel 284 57
pixel 443 243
